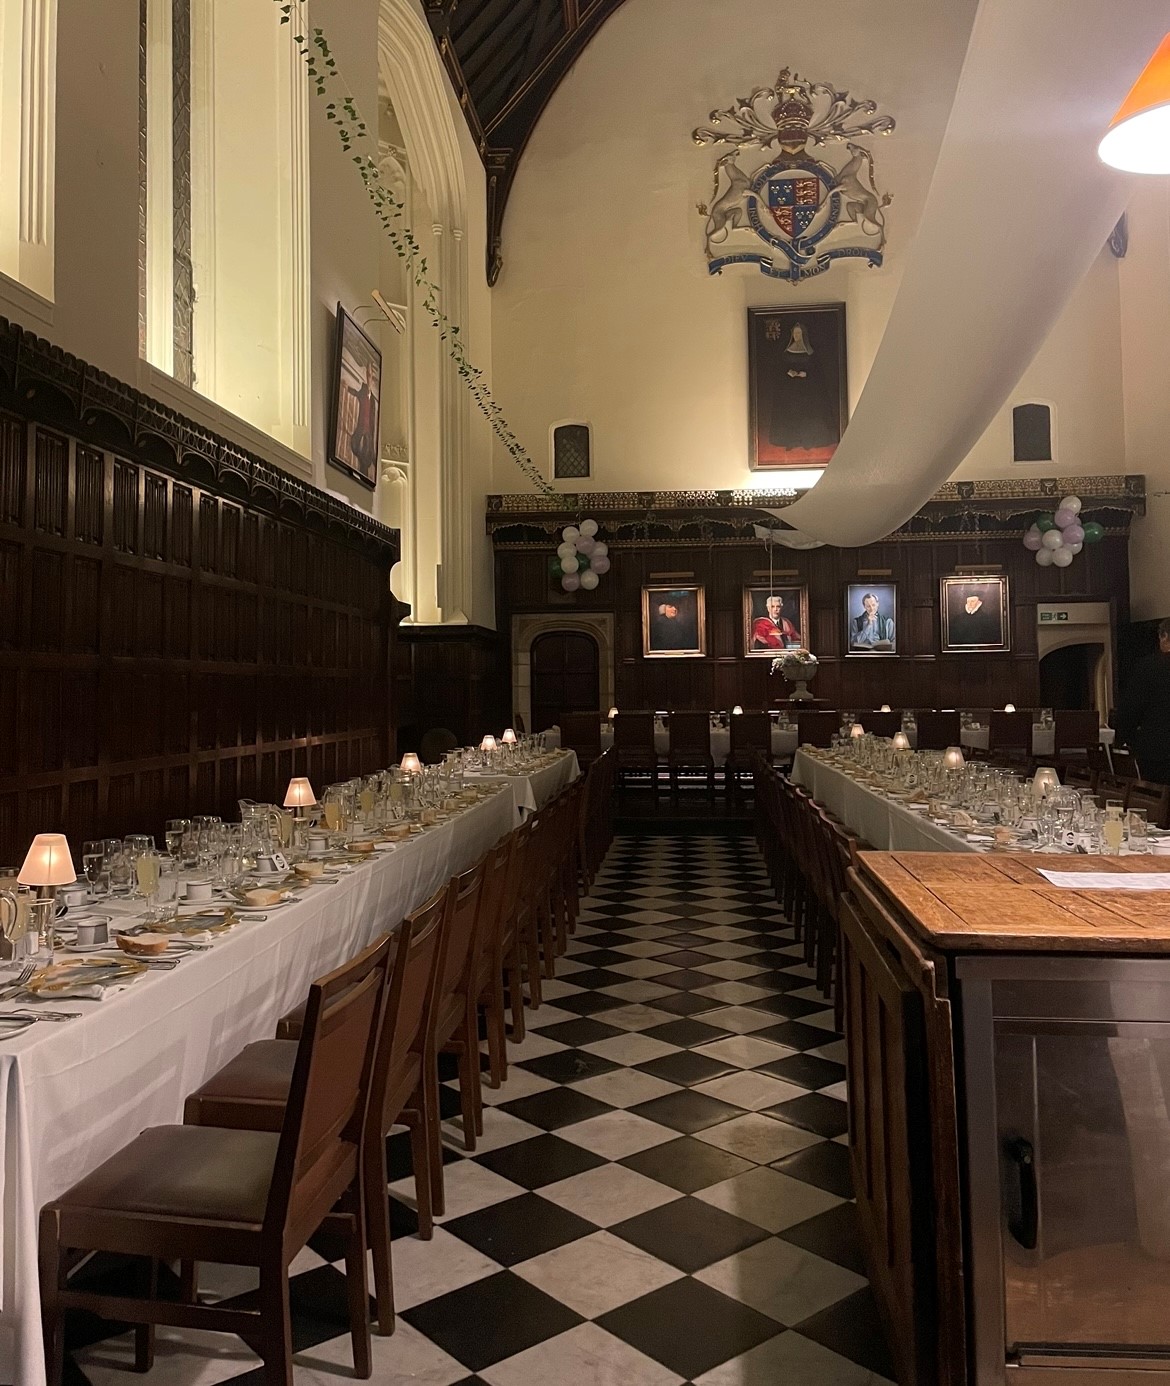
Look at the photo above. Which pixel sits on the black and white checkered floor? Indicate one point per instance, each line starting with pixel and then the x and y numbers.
pixel 662 1194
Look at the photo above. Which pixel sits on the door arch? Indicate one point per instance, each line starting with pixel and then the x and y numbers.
pixel 566 675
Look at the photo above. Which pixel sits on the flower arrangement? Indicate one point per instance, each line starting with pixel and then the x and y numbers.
pixel 797 667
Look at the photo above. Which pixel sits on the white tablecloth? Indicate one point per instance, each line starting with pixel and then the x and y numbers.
pixel 533 791
pixel 1043 739
pixel 887 826
pixel 73 1094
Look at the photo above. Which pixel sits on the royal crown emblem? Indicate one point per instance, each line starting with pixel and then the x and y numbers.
pixel 808 211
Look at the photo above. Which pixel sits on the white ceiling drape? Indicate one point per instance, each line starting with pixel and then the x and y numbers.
pixel 1018 209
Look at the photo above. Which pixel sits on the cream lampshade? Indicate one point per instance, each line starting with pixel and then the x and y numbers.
pixel 856 730
pixel 411 765
pixel 885 707
pixel 901 741
pixel 300 794
pixel 953 758
pixel 48 863
pixel 1009 707
pixel 613 712
pixel 1044 781
pixel 509 737
pixel 488 743
pixel 737 711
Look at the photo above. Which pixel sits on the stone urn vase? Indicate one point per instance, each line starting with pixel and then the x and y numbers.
pixel 797 667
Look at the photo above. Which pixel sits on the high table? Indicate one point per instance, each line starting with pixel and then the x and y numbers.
pixel 533 790
pixel 1043 739
pixel 783 741
pixel 72 1094
pixel 883 823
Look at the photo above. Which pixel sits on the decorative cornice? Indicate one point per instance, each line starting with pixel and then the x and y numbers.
pixel 960 510
pixel 41 381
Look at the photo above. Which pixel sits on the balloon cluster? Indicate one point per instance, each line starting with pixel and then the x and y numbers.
pixel 1057 538
pixel 584 559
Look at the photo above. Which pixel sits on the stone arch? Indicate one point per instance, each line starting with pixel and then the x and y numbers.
pixel 526 629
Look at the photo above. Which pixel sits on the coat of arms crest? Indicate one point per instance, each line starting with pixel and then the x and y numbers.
pixel 809 211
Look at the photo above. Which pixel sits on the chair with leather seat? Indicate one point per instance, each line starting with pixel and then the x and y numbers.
pixel 236 1197
pixel 250 1093
pixel 690 748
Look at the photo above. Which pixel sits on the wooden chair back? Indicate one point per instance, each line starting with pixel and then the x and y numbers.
pixel 581 732
pixel 881 723
pixel 460 953
pixel 751 732
pixel 329 1093
pixel 1153 798
pixel 1077 729
pixel 411 998
pixel 1010 731
pixel 817 728
pixel 937 730
pixel 690 734
pixel 633 732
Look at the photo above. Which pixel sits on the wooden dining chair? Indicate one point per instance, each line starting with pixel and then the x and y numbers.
pixel 817 728
pixel 581 732
pixel 1077 732
pixel 690 748
pixel 634 748
pixel 251 1092
pixel 886 724
pixel 1009 735
pixel 236 1197
pixel 750 742
pixel 1153 799
pixel 937 730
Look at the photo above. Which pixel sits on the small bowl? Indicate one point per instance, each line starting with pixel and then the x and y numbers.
pixel 143 945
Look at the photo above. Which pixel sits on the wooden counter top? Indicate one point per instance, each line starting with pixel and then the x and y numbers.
pixel 975 904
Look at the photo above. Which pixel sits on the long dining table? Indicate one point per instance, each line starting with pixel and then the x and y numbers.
pixel 533 789
pixel 72 1094
pixel 883 823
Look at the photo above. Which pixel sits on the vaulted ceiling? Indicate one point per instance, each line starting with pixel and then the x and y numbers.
pixel 506 58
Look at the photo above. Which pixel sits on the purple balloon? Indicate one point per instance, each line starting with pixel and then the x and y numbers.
pixel 586 545
pixel 1032 540
pixel 599 563
pixel 571 582
pixel 1073 534
pixel 1060 519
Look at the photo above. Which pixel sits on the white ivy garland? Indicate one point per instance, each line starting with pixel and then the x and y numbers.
pixel 324 73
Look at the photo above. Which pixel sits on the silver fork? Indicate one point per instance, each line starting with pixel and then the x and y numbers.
pixel 32 1016
pixel 17 983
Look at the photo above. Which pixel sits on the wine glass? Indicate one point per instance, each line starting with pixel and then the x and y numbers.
pixel 93 866
pixel 146 871
pixel 176 827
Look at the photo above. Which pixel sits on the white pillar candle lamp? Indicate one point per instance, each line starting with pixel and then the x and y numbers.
pixel 953 758
pixel 1044 781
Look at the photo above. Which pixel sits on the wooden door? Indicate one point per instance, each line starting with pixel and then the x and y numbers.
pixel 565 676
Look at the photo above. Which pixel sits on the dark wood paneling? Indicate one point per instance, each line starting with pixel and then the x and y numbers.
pixel 920 676
pixel 166 649
pixel 454 677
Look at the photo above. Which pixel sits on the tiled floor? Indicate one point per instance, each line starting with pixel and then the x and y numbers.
pixel 662 1195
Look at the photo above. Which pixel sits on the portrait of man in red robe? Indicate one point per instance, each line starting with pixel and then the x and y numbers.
pixel 774 619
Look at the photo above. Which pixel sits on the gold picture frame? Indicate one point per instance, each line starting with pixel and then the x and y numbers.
pixel 767 633
pixel 674 621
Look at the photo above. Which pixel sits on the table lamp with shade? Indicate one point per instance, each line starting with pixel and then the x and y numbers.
pixel 48 865
pixel 299 796
pixel 1044 781
pixel 613 712
pixel 1138 139
pixel 488 746
pixel 856 731
pixel 953 758
pixel 901 741
pixel 411 765
pixel 1009 707
pixel 737 711
pixel 509 737
pixel 885 707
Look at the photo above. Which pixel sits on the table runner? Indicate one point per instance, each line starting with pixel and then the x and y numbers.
pixel 72 1095
pixel 885 825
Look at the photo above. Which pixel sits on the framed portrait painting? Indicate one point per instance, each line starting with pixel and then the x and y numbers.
pixel 674 622
pixel 799 389
pixel 871 618
pixel 355 436
pixel 775 619
pixel 976 616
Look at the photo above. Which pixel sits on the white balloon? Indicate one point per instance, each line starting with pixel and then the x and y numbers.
pixel 570 534
pixel 570 565
pixel 588 528
pixel 1072 503
pixel 601 548
pixel 566 550
pixel 1075 548
pixel 1052 539
pixel 1062 557
pixel 1044 557
pixel 589 580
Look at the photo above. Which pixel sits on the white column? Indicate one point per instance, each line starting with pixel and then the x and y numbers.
pixel 454 536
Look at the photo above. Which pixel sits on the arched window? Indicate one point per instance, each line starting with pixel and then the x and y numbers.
pixel 226 269
pixel 572 449
pixel 28 66
pixel 1032 433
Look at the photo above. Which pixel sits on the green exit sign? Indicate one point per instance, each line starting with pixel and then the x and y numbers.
pixel 1053 616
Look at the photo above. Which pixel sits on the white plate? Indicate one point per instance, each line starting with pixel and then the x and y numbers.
pixel 88 947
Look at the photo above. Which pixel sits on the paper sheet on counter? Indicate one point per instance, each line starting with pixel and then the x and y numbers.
pixel 1108 880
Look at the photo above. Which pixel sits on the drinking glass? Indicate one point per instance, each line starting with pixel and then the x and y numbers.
pixel 146 871
pixel 176 828
pixel 42 939
pixel 166 907
pixel 1113 828
pixel 1138 831
pixel 94 868
pixel 121 869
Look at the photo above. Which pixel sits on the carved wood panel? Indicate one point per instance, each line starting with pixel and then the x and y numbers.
pixel 166 650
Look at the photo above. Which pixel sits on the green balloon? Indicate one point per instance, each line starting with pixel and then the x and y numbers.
pixel 1093 533
pixel 1045 522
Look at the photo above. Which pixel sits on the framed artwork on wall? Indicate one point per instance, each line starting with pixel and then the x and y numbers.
pixel 774 619
pixel 976 616
pixel 799 388
pixel 871 618
pixel 674 622
pixel 355 434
